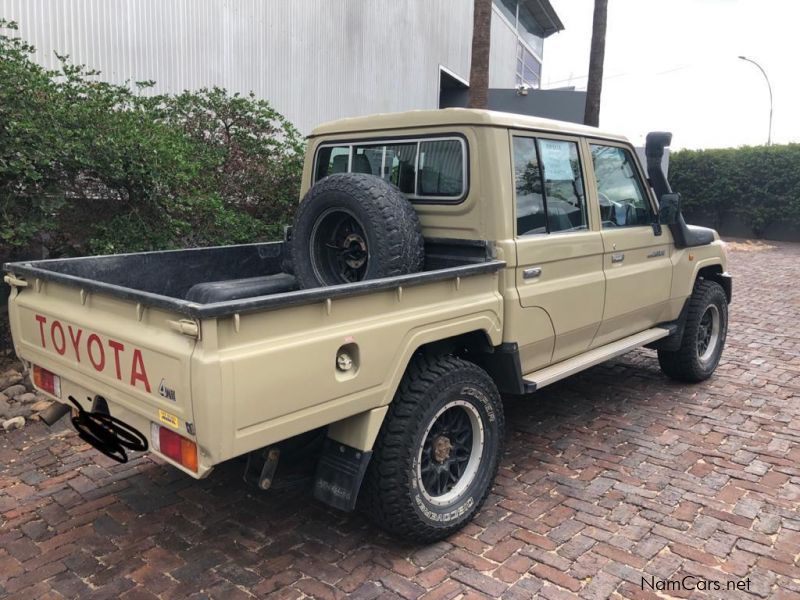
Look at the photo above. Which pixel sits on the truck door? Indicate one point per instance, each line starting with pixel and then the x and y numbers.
pixel 636 256
pixel 559 253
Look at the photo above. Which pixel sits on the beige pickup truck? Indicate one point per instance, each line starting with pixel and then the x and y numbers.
pixel 438 260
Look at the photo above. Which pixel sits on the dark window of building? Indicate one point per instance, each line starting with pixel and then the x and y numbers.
pixel 529 69
pixel 509 10
pixel 529 29
pixel 530 40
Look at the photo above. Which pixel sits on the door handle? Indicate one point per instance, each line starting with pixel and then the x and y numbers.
pixel 531 273
pixel 617 258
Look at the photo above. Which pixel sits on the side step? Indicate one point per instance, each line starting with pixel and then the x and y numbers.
pixel 593 357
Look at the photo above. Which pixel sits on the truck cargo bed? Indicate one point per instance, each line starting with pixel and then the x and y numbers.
pixel 163 279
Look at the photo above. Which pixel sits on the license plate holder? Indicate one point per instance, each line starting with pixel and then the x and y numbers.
pixel 108 434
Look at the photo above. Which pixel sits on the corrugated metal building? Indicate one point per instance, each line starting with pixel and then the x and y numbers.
pixel 314 60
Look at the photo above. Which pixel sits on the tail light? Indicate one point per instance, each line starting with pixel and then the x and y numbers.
pixel 172 445
pixel 47 381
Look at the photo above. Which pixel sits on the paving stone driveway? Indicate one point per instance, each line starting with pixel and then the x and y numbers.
pixel 612 476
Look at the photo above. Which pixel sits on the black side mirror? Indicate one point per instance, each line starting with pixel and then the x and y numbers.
pixel 669 209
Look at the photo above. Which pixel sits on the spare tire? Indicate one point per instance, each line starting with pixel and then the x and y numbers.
pixel 352 227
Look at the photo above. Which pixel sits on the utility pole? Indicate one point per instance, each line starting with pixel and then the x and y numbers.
pixel 596 56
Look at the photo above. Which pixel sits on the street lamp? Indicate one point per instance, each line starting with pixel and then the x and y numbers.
pixel 764 73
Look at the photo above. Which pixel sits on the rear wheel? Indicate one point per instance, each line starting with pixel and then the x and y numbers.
pixel 703 335
pixel 438 451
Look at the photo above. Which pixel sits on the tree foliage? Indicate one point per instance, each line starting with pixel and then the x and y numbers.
pixel 758 184
pixel 88 166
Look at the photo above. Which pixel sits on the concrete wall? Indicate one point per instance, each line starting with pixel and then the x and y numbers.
pixel 313 60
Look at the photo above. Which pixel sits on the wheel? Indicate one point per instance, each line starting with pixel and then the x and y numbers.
pixel 351 227
pixel 703 335
pixel 437 452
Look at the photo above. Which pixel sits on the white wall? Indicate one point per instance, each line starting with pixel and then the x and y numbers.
pixel 314 60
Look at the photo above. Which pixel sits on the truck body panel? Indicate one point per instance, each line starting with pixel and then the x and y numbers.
pixel 230 375
pixel 104 346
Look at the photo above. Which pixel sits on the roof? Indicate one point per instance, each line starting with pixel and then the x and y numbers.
pixel 545 15
pixel 456 116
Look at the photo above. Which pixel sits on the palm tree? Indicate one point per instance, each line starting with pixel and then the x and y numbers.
pixel 479 69
pixel 597 53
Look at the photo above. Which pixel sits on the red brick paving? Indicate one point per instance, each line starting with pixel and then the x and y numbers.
pixel 614 475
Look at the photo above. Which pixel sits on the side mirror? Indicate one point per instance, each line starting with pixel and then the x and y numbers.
pixel 669 209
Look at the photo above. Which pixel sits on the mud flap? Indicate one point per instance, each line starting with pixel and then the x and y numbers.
pixel 340 471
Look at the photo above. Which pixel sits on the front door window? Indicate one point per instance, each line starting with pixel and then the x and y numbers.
pixel 623 202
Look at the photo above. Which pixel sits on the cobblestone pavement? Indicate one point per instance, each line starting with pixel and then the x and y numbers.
pixel 612 476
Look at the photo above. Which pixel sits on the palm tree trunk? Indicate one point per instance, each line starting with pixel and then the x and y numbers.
pixel 479 68
pixel 597 54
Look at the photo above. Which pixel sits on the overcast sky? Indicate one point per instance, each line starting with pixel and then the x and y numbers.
pixel 672 65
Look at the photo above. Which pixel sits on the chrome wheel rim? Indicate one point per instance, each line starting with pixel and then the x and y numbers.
pixel 708 333
pixel 451 453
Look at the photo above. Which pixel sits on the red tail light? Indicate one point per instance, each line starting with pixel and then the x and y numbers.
pixel 172 445
pixel 47 381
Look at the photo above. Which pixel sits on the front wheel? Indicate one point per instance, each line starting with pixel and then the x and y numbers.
pixel 438 450
pixel 703 336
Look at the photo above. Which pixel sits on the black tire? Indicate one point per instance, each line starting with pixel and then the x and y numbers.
pixel 395 495
pixel 703 335
pixel 353 227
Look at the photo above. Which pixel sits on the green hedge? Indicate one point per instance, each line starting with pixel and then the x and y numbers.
pixel 760 185
pixel 92 167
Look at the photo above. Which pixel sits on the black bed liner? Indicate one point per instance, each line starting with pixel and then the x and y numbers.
pixel 162 279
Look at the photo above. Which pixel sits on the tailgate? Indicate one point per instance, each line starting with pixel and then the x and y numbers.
pixel 131 355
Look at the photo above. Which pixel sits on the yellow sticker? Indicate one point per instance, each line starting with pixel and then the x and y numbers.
pixel 167 418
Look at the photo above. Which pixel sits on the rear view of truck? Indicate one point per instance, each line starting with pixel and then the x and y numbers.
pixel 204 355
pixel 90 350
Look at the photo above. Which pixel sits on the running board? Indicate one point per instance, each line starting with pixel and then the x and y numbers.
pixel 553 373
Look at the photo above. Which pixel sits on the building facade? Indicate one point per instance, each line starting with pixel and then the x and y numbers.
pixel 314 60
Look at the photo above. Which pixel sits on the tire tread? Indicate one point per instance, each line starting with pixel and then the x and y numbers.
pixel 384 498
pixel 400 247
pixel 682 364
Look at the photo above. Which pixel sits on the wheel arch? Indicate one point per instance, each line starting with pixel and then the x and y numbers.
pixel 472 343
pixel 709 272
pixel 715 272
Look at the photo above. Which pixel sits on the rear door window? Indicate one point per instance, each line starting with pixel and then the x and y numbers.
pixel 550 195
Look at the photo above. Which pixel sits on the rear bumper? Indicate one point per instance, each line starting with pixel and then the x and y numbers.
pixel 140 423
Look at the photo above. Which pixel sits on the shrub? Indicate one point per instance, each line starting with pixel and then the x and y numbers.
pixel 760 184
pixel 93 167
